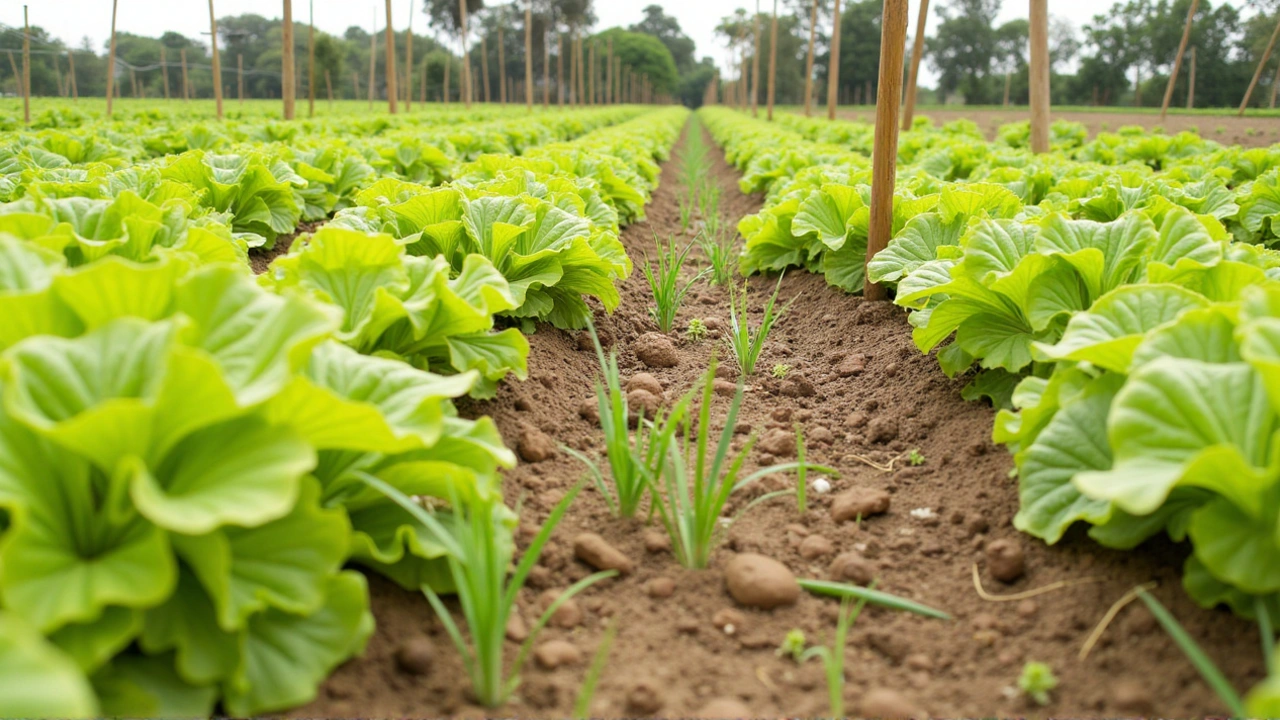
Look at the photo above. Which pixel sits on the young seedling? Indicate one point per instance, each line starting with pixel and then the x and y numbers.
pixel 631 462
pixel 802 473
pixel 780 370
pixel 1036 682
pixel 697 330
pixel 720 258
pixel 664 283
pixel 1207 669
pixel 582 707
pixel 697 478
pixel 915 457
pixel 833 657
pixel 793 645
pixel 746 343
pixel 478 550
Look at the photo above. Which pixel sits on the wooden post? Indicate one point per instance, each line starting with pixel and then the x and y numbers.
pixel 328 87
pixel 773 57
pixel 1266 55
pixel 1191 81
pixel 26 68
pixel 582 81
pixel 808 64
pixel 502 66
pixel 111 58
pixel 1008 81
pixel 392 91
pixel 528 55
pixel 239 78
pixel 217 65
pixel 833 72
pixel 1039 76
pixel 287 92
pixel 408 63
pixel 546 70
pixel 355 84
pixel 186 86
pixel 422 80
pixel 484 66
pixel 755 64
pixel 444 93
pixel 464 79
pixel 917 53
pixel 884 154
pixel 608 71
pixel 560 68
pixel 1275 84
pixel 133 83
pixel 1177 60
pixel 573 68
pixel 71 77
pixel 591 75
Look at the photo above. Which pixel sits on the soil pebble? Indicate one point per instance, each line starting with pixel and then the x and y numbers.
pixel 595 551
pixel 885 703
pixel 726 372
pixel 882 430
pixel 729 621
pixel 723 708
pixel 1131 698
pixel 723 388
pixel 1005 560
pixel 554 653
pixel 656 541
pixel 851 365
pixel 640 400
pixel 589 410
pixel 644 698
pixel 852 567
pixel 660 587
pixel 798 386
pixel 533 445
pixel 646 382
pixel 414 656
pixel 816 546
pixel 859 501
pixel 568 615
pixel 516 630
pixel 757 581
pixel 821 435
pixel 778 442
pixel 656 350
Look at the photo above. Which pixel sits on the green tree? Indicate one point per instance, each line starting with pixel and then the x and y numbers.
pixel 667 29
pixel 965 48
pixel 646 55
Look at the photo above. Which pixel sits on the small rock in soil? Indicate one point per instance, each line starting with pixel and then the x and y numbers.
pixel 656 350
pixel 414 656
pixel 781 414
pixel 584 341
pixel 723 708
pixel 516 630
pixel 852 365
pixel 595 551
pixel 729 620
pixel 726 372
pixel 723 388
pixel 778 442
pixel 886 703
pixel 589 410
pixel 568 615
pixel 815 546
pixel 1005 560
pixel 798 386
pixel 821 435
pixel 863 501
pixel 641 400
pixel 919 661
pixel 1131 698
pixel 533 445
pixel 660 587
pixel 554 653
pixel 852 567
pixel 757 581
pixel 882 430
pixel 644 381
pixel 644 698
pixel 656 542
pixel 856 420
pixel 1027 608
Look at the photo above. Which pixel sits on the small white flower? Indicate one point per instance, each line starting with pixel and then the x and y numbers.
pixel 821 485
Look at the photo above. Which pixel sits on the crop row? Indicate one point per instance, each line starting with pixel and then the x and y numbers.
pixel 190 456
pixel 1116 298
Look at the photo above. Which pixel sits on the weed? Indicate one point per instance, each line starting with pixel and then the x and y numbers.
pixel 833 657
pixel 664 282
pixel 747 344
pixel 915 457
pixel 802 473
pixel 793 645
pixel 1220 129
pixel 697 330
pixel 780 370
pixel 1250 132
pixel 1036 681
pixel 582 706
pixel 875 597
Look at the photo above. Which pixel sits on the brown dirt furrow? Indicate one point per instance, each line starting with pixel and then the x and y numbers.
pixel 942 516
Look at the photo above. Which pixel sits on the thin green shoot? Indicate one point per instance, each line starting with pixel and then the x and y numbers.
pixel 479 552
pixel 780 371
pixel 915 457
pixel 793 645
pixel 720 258
pixel 664 283
pixel 747 343
pixel 1210 672
pixel 833 657
pixel 582 706
pixel 802 473
pixel 697 330
pixel 1037 681
pixel 698 478
pixel 875 597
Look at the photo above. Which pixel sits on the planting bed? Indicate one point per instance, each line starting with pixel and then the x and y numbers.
pixel 863 393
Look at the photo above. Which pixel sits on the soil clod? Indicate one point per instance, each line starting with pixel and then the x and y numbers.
pixel 595 551
pixel 761 582
pixel 656 350
pixel 555 653
pixel 859 502
pixel 533 445
pixel 415 656
pixel 1005 560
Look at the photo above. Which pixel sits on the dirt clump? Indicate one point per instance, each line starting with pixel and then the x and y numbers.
pixel 1005 560
pixel 760 582
pixel 656 350
pixel 859 502
pixel 595 551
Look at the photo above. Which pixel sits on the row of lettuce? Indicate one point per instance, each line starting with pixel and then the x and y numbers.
pixel 1121 307
pixel 190 455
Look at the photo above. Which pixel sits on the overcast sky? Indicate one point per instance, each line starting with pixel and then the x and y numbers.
pixel 72 20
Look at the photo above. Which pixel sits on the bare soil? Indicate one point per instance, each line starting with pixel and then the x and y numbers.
pixel 1225 129
pixel 676 654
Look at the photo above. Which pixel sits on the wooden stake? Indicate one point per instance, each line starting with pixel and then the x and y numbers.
pixel 546 70
pixel 755 64
pixel 392 90
pixel 26 68
pixel 408 63
pixel 917 52
pixel 608 72
pixel 573 68
pixel 1191 81
pixel 57 68
pixel 1275 84
pixel 287 92
pixel 239 79
pixel 528 55
pixel 71 77
pixel 773 57
pixel 422 80
pixel 186 86
pixel 328 87
pixel 111 58
pixel 560 68
pixel 582 81
pixel 591 75
pixel 884 154
pixel 808 65
pixel 1266 55
pixel 1008 81
pixel 217 65
pixel 133 83
pixel 484 66
pixel 464 80
pixel 448 59
pixel 502 66
pixel 1177 60
pixel 833 72
pixel 1039 76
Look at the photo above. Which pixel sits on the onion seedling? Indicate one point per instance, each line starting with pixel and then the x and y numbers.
pixel 746 343
pixel 582 706
pixel 664 283
pixel 833 657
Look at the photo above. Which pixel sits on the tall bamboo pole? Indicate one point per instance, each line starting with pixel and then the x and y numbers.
pixel 408 63
pixel 917 52
pixel 186 85
pixel 392 91
pixel 239 78
pixel 17 74
pixel 1266 55
pixel 111 58
pixel 591 75
pixel 164 72
pixel 773 57
pixel 1039 76
pixel 1191 81
pixel 833 72
pixel 502 65
pixel 444 93
pixel 582 81
pixel 560 68
pixel 755 64
pixel 464 80
pixel 1177 60
pixel 287 91
pixel 546 70
pixel 528 56
pixel 328 88
pixel 884 154
pixel 57 68
pixel 26 68
pixel 355 84
pixel 808 63
pixel 608 72
pixel 217 64
pixel 484 66
pixel 71 77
